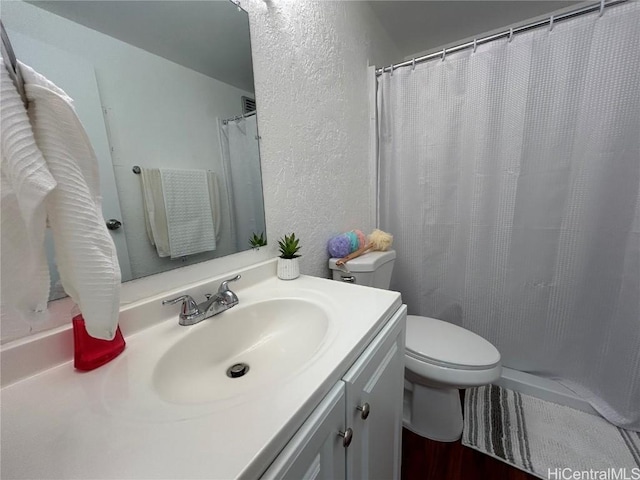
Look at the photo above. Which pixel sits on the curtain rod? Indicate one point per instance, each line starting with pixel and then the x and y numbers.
pixel 239 117
pixel 507 33
pixel 137 170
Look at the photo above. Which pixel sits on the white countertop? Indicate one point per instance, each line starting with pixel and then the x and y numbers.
pixel 110 423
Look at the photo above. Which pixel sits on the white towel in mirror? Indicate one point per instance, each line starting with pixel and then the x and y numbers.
pixel 214 198
pixel 155 216
pixel 191 199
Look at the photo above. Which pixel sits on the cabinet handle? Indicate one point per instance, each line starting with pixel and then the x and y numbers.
pixel 347 436
pixel 365 409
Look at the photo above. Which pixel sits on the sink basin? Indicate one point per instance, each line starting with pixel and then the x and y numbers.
pixel 274 338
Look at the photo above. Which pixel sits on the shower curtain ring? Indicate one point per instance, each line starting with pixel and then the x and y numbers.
pixel 444 53
pixel 475 44
pixel 413 64
pixel 551 18
pixel 601 7
pixel 510 34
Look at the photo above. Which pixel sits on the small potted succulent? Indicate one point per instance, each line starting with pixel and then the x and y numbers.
pixel 257 241
pixel 288 265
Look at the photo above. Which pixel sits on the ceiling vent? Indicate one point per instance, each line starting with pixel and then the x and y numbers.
pixel 248 105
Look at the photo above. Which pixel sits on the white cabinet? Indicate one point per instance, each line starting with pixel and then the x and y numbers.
pixel 375 385
pixel 316 451
pixel 356 431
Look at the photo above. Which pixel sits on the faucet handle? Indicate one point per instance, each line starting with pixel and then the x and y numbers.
pixel 189 306
pixel 224 286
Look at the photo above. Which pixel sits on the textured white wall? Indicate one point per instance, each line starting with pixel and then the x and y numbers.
pixel 310 63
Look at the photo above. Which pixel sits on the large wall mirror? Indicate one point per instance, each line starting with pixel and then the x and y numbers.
pixel 165 92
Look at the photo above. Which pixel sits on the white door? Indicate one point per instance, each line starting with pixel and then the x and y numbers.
pixel 375 386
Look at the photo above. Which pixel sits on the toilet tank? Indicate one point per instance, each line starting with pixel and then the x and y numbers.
pixel 372 269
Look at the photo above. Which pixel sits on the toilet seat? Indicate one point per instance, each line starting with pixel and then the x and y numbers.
pixel 441 353
pixel 448 345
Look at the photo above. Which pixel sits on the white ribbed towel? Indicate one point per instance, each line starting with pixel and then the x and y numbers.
pixel 189 215
pixel 25 184
pixel 85 254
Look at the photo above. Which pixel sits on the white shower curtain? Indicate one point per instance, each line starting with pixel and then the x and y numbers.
pixel 510 177
pixel 241 157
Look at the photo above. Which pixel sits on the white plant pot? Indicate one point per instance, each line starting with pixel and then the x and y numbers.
pixel 288 268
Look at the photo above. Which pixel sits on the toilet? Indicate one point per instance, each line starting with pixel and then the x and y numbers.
pixel 440 358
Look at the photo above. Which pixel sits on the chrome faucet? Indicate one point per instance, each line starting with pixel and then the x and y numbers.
pixel 192 313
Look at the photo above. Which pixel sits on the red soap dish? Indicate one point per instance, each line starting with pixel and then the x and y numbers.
pixel 91 353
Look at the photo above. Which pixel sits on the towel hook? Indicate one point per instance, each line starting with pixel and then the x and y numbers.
pixel 113 224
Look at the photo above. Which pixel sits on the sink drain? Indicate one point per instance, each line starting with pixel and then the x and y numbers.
pixel 237 370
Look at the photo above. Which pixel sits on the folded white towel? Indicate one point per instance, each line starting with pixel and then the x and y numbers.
pixel 189 215
pixel 85 254
pixel 25 184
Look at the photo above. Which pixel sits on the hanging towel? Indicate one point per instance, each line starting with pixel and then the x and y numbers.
pixel 25 185
pixel 85 254
pixel 214 199
pixel 189 215
pixel 155 215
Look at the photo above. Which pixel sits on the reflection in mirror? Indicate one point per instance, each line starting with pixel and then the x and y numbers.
pixel 166 86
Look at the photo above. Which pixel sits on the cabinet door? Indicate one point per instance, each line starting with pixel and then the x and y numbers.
pixel 316 451
pixel 375 385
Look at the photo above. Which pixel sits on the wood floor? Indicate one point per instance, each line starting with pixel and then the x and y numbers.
pixel 424 459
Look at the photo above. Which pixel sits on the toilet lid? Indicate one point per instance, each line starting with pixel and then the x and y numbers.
pixel 446 344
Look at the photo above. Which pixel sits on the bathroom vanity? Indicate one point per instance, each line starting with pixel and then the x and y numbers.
pixel 322 397
pixel 369 397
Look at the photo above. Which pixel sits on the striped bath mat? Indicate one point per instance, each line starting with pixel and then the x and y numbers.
pixel 547 440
